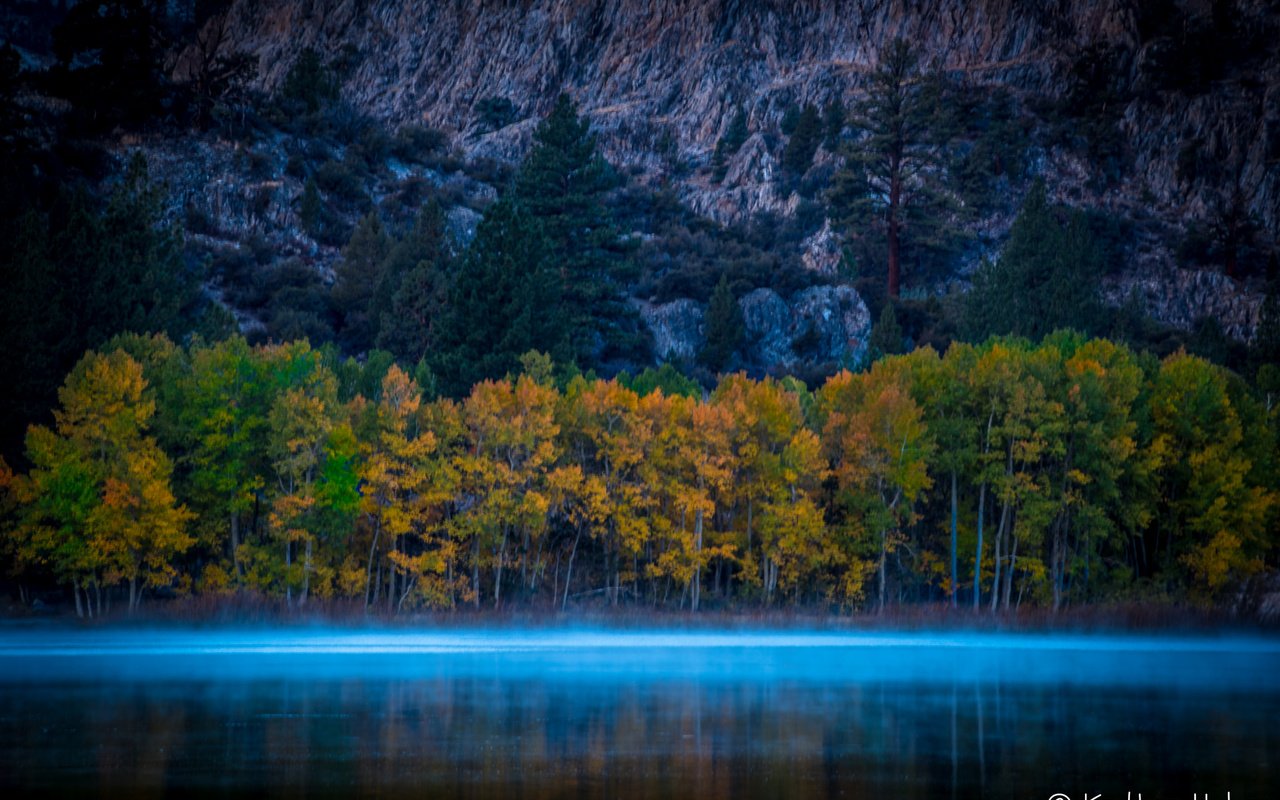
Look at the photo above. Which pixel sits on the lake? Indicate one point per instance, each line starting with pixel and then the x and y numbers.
pixel 636 714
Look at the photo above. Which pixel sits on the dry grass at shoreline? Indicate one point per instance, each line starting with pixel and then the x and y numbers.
pixel 256 610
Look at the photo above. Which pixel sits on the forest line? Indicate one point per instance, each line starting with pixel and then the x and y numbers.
pixel 1065 472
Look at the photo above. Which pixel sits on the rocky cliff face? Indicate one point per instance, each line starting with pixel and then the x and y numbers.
pixel 819 325
pixel 661 79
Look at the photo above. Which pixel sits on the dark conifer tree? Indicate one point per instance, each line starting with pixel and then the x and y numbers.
pixel 891 182
pixel 724 327
pixel 413 293
pixel 886 337
pixel 833 121
pixel 562 184
pixel 1044 280
pixel 504 301
pixel 79 274
pixel 311 210
pixel 359 274
pixel 804 141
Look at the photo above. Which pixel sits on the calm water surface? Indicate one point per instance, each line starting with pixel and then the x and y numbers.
pixel 636 714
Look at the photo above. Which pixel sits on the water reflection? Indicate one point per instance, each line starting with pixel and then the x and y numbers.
pixel 487 737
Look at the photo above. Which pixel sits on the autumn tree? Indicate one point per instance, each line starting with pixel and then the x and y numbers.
pixel 700 461
pixel 777 468
pixel 612 498
pixel 99 507
pixel 406 489
pixel 511 449
pixel 1209 525
pixel 879 446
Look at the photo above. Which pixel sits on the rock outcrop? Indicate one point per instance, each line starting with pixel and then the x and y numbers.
pixel 818 325
pixel 676 328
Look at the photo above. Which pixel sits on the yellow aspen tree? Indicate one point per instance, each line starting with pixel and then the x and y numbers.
pixel 702 468
pixel 513 433
pixel 879 445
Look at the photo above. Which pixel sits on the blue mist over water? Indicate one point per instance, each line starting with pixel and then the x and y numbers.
pixel 1232 662
pixel 636 713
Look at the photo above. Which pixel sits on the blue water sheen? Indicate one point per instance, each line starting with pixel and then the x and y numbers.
pixel 587 713
pixel 1182 662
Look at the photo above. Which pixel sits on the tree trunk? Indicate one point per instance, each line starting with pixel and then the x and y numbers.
pixel 955 512
pixel 75 592
pixel 697 560
pixel 1055 561
pixel 497 576
pixel 368 572
pixel 568 575
pixel 884 553
pixel 288 562
pixel 475 571
pixel 133 593
pixel 982 507
pixel 1008 573
pixel 895 266
pixel 306 574
pixel 524 562
pixel 394 579
pixel 977 557
pixel 235 545
pixel 1000 534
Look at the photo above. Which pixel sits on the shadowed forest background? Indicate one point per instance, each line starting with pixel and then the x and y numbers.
pixel 449 392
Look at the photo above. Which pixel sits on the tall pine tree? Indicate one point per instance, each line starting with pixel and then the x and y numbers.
pixel 414 289
pixel 504 301
pixel 1044 279
pixel 358 275
pixel 562 184
pixel 724 327
pixel 891 181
